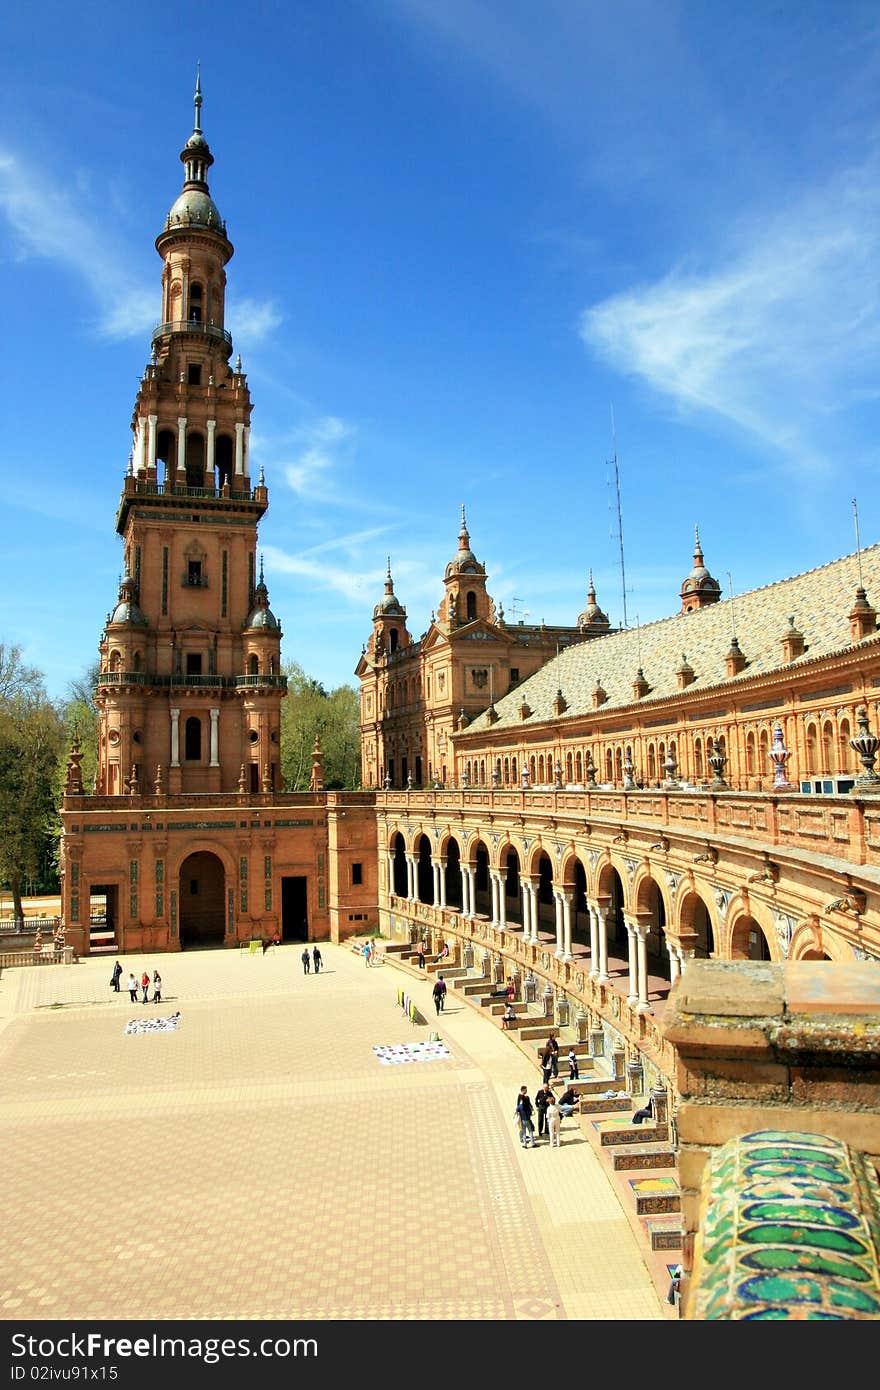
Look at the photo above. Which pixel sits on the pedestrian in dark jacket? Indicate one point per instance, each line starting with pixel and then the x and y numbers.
pixel 523 1115
pixel 306 960
pixel 316 959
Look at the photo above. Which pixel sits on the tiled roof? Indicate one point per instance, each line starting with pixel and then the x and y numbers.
pixel 819 601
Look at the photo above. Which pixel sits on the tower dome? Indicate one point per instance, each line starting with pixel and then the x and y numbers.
pixel 699 589
pixel 389 606
pixel 127 609
pixel 261 614
pixel 593 621
pixel 464 561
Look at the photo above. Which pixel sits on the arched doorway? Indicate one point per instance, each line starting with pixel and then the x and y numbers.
pixel 399 876
pixel 202 883
pixel 424 872
pixel 512 901
pixel 482 887
pixel 453 875
pixel 748 942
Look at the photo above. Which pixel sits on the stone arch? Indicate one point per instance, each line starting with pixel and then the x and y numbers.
pixel 399 878
pixel 610 891
pixel 811 941
pixel 695 924
pixel 480 858
pixel 424 869
pixel 202 875
pixel 452 872
pixel 652 910
pixel 195 459
pixel 748 938
pixel 509 862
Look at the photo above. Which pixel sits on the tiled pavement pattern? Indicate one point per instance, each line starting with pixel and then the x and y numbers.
pixel 261 1164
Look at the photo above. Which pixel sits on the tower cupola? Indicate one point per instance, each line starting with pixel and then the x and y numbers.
pixel 699 589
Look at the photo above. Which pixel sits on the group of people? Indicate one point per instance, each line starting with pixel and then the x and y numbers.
pixel 133 985
pixel 315 959
pixel 550 1111
pixel 422 951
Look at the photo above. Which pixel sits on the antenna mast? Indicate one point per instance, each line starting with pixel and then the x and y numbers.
pixel 619 518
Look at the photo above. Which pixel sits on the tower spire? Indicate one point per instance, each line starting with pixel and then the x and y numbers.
pixel 197 102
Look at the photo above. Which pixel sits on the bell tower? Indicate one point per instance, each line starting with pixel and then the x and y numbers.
pixel 190 687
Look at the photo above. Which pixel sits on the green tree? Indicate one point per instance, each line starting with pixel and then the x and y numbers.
pixel 309 711
pixel 31 744
pixel 80 717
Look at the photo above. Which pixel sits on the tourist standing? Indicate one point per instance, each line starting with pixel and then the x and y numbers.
pixel 554 1123
pixel 523 1115
pixel 572 1065
pixel 552 1046
pixel 116 976
pixel 543 1098
pixel 145 985
pixel 157 987
pixel 133 987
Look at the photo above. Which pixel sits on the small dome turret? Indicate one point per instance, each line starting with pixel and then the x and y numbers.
pixel 127 609
pixel 464 561
pixel 261 615
pixel 699 589
pixel 389 605
pixel 593 621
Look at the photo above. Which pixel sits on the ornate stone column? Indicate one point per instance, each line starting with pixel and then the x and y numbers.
pixel 641 932
pixel 209 462
pixel 594 940
pixel 175 738
pixel 502 900
pixel 411 877
pixel 567 897
pixel 526 909
pixel 215 737
pixel 633 995
pixel 603 977
pixel 239 449
pixel 180 470
pixel 435 875
pixel 493 885
pixel 153 442
pixel 558 925
pixel 443 883
pixel 674 964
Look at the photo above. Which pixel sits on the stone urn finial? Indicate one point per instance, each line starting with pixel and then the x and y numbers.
pixel 866 744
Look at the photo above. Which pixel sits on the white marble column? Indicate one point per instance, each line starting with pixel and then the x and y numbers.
pixel 411 877
pixel 567 903
pixel 443 883
pixel 603 977
pixel 435 875
pixel 390 871
pixel 641 932
pixel 533 909
pixel 674 963
pixel 526 910
pixel 209 468
pixel 215 737
pixel 502 900
pixel 239 449
pixel 154 440
pixel 633 995
pixel 246 451
pixel 181 449
pixel 175 738
pixel 557 923
pixel 493 884
pixel 594 940
pixel 140 447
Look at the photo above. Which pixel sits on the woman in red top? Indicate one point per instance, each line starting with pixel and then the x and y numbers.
pixel 145 985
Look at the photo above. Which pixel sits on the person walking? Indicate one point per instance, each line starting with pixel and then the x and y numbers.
pixel 442 983
pixel 366 953
pixel 306 961
pixel 572 1065
pixel 116 977
pixel 157 987
pixel 133 987
pixel 552 1046
pixel 437 993
pixel 543 1098
pixel 316 959
pixel 523 1114
pixel 554 1123
pixel 145 985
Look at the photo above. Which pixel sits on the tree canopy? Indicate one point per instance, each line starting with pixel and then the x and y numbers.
pixel 334 717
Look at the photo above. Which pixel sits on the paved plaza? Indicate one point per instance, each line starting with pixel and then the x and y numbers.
pixel 260 1162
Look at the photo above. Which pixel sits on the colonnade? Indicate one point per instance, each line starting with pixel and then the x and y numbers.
pixel 563 902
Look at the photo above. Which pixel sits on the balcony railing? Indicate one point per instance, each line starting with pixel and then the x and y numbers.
pixel 149 488
pixel 176 679
pixel 208 330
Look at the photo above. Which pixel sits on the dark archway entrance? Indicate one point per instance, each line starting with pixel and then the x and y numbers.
pixel 294 908
pixel 202 882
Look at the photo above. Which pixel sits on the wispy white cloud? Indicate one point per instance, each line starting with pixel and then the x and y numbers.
pixel 252 320
pixel 776 337
pixel 309 457
pixel 46 221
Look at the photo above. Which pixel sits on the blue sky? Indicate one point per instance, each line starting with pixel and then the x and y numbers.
pixel 465 231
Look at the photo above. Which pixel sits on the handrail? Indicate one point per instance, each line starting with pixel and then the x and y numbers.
pixel 210 330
